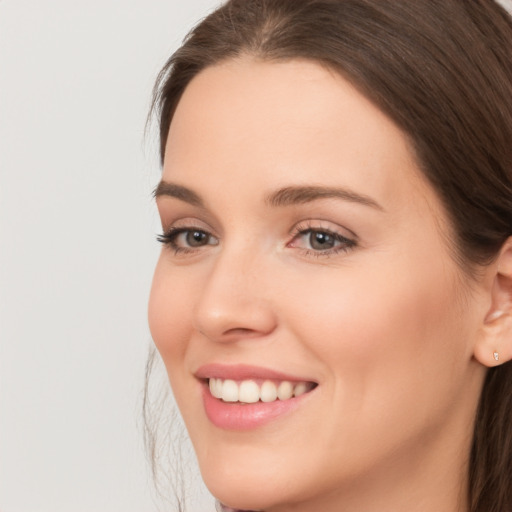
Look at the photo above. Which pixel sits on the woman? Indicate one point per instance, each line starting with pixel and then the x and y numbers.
pixel 333 301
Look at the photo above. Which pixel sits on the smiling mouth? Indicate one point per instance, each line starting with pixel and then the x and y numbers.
pixel 252 391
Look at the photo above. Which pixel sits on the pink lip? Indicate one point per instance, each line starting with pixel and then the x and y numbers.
pixel 237 416
pixel 242 372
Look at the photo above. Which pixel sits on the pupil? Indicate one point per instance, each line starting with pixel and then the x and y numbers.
pixel 321 241
pixel 196 238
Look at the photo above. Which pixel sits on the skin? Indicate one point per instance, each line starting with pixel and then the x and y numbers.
pixel 386 325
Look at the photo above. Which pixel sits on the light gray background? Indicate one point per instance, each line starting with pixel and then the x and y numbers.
pixel 77 247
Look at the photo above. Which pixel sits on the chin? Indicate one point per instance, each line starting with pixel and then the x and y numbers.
pixel 244 487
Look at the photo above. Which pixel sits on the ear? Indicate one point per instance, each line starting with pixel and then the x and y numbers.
pixel 494 346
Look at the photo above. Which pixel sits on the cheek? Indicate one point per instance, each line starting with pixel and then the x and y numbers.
pixel 383 337
pixel 169 313
pixel 361 313
pixel 385 346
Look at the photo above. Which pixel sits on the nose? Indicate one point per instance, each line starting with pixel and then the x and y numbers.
pixel 236 302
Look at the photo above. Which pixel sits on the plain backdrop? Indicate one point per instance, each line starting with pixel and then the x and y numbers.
pixel 77 247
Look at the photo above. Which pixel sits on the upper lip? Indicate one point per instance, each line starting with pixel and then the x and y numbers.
pixel 244 372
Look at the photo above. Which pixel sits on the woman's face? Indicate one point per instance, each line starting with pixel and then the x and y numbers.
pixel 304 252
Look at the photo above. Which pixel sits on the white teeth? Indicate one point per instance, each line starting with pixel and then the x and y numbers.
pixel 285 390
pixel 230 391
pixel 299 389
pixel 249 392
pixel 268 391
pixel 216 387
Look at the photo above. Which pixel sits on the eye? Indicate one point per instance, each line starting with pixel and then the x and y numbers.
pixel 194 238
pixel 320 242
pixel 187 239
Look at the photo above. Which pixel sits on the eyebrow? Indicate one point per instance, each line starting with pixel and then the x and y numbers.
pixel 165 188
pixel 305 194
pixel 286 196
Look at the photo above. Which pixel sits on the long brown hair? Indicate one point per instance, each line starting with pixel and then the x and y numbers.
pixel 442 71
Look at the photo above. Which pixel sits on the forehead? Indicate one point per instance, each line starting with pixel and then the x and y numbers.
pixel 273 123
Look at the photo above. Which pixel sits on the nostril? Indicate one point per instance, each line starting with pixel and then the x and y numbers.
pixel 234 331
pixel 241 331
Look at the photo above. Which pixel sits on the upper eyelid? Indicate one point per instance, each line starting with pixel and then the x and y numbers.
pixel 323 225
pixel 334 234
pixel 303 226
pixel 178 230
pixel 175 211
pixel 186 223
pixel 299 227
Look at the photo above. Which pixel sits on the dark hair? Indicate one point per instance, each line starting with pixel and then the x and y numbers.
pixel 442 71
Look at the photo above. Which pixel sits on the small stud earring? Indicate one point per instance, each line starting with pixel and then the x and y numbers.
pixel 496 356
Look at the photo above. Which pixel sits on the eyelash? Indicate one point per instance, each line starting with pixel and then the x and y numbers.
pixel 169 238
pixel 344 244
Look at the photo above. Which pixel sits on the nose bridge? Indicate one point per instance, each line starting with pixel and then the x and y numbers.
pixel 235 301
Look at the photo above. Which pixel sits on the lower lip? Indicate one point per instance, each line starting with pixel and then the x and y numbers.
pixel 238 416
